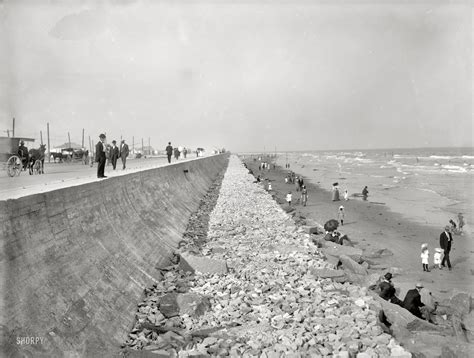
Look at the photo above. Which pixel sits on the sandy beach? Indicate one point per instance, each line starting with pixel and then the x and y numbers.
pixel 372 226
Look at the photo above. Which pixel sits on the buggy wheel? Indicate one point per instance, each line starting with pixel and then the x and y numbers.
pixel 14 166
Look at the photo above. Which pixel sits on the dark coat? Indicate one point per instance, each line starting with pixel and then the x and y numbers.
pixel 124 150
pixel 114 153
pixel 412 302
pixel 445 241
pixel 169 150
pixel 99 151
pixel 387 291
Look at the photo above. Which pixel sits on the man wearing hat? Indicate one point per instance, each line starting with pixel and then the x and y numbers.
pixel 412 301
pixel 124 152
pixel 100 156
pixel 23 154
pixel 387 290
pixel 114 154
pixel 445 240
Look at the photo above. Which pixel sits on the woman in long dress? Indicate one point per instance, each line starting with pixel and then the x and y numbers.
pixel 335 193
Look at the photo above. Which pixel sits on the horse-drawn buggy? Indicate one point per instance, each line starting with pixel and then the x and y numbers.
pixel 17 157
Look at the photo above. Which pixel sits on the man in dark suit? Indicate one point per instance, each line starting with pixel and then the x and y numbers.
pixel 114 154
pixel 124 152
pixel 445 240
pixel 169 151
pixel 100 156
pixel 412 301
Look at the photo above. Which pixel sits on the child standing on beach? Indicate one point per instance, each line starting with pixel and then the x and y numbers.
pixel 346 195
pixel 425 256
pixel 288 198
pixel 438 255
pixel 341 214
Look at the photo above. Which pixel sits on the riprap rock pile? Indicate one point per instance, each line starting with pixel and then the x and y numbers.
pixel 268 303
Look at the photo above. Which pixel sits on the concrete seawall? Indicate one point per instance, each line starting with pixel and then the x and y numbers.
pixel 74 261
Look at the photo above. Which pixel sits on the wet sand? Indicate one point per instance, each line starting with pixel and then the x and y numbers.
pixel 372 226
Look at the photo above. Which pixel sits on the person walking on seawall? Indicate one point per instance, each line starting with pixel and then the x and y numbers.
pixel 100 156
pixel 365 193
pixel 445 241
pixel 123 152
pixel 114 154
pixel 169 151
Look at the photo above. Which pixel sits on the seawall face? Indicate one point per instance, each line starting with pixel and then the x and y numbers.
pixel 74 262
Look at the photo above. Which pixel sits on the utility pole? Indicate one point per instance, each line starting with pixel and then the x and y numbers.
pixel 41 137
pixel 142 148
pixel 82 138
pixel 49 148
pixel 133 144
pixel 149 146
pixel 69 139
pixel 13 127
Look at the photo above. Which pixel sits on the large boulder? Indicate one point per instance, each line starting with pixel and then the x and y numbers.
pixel 192 304
pixel 352 266
pixel 178 304
pixel 332 249
pixel 327 273
pixel 201 264
pixel 402 322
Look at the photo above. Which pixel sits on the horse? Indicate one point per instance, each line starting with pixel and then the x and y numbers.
pixel 36 160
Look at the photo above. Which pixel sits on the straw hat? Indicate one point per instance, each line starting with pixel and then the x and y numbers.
pixel 424 246
pixel 419 285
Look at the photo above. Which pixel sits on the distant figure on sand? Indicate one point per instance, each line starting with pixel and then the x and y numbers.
pixel 169 151
pixel 335 192
pixel 365 193
pixel 124 151
pixel 460 222
pixel 346 195
pixel 176 153
pixel 412 301
pixel 304 195
pixel 269 186
pixel 340 215
pixel 445 241
pixel 425 257
pixel 288 198
pixel 100 157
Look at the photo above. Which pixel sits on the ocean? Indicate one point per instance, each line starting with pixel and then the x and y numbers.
pixel 427 185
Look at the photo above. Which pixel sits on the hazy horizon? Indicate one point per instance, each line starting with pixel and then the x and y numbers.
pixel 241 76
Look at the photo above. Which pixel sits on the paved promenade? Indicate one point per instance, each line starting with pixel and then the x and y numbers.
pixel 60 175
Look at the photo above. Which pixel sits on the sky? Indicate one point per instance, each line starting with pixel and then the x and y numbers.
pixel 242 75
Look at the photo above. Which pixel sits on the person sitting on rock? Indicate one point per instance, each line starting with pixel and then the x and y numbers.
pixel 387 290
pixel 412 301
